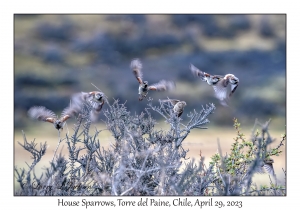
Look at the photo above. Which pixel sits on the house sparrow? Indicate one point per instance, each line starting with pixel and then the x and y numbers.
pixel 162 85
pixel 178 106
pixel 41 113
pixel 219 83
pixel 95 98
pixel 268 166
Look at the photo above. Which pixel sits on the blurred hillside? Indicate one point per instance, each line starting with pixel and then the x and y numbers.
pixel 58 55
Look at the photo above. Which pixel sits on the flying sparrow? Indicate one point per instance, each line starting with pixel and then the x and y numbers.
pixel 162 85
pixel 268 166
pixel 41 113
pixel 219 83
pixel 178 106
pixel 95 98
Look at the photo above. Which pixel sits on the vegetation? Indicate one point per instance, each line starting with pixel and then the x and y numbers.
pixel 145 161
pixel 58 55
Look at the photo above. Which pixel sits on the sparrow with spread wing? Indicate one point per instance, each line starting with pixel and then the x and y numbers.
pixel 219 83
pixel 178 106
pixel 41 113
pixel 95 98
pixel 162 85
pixel 267 166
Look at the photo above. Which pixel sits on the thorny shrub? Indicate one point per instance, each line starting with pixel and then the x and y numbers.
pixel 145 161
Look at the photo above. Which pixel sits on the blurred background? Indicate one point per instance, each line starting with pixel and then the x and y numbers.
pixel 56 56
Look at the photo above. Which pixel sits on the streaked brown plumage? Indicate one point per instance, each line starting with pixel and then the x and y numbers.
pixel 218 82
pixel 41 113
pixel 162 85
pixel 178 106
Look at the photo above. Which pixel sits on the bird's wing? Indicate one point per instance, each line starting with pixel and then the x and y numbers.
pixel 70 111
pixel 136 66
pixel 162 85
pixel 64 118
pixel 198 73
pixel 268 167
pixel 233 88
pixel 50 120
pixel 86 96
pixel 77 101
pixel 220 90
pixel 79 98
pixel 40 113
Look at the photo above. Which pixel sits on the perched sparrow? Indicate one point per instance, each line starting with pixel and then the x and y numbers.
pixel 162 85
pixel 218 82
pixel 94 98
pixel 178 106
pixel 43 114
